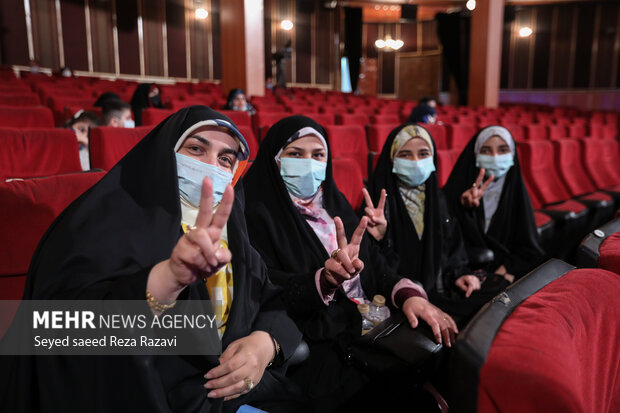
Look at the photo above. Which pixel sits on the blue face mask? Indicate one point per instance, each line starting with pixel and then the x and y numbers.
pixel 413 173
pixel 497 166
pixel 191 173
pixel 302 177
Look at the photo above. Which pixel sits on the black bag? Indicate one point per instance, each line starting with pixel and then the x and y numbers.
pixel 393 347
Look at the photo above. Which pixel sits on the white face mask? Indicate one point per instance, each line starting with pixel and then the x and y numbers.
pixel 129 123
pixel 191 173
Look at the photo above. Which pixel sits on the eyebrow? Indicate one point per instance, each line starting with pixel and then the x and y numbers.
pixel 206 142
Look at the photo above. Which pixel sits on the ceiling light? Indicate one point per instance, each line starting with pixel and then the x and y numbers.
pixel 471 4
pixel 525 31
pixel 201 13
pixel 286 24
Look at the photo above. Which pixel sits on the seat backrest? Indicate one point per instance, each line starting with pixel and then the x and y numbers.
pixel 348 178
pixel 322 119
pixel 577 131
pixel 537 163
pixel 558 132
pixel 589 250
pixel 459 135
pixel 384 119
pixel 250 138
pixel 537 132
pixel 153 116
pixel 439 134
pixel 447 159
pixel 351 119
pixel 239 118
pixel 516 131
pixel 19 99
pixel 349 141
pixel 594 163
pixel 26 117
pixel 568 159
pixel 28 153
pixel 474 343
pixel 377 135
pixel 610 253
pixel 108 145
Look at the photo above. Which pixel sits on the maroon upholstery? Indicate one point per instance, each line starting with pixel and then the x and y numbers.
pixel 351 119
pixel 439 134
pixel 239 118
pixel 459 135
pixel 250 138
pixel 558 351
pixel 541 219
pixel 377 135
pixel 594 162
pixel 609 251
pixel 577 131
pixel 28 153
pixel 516 131
pixel 348 178
pixel 384 119
pixel 153 116
pixel 267 119
pixel 19 99
pixel 26 117
pixel 447 159
pixel 537 132
pixel 538 168
pixel 558 132
pixel 108 145
pixel 349 141
pixel 322 119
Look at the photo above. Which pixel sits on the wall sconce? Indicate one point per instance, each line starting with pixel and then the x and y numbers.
pixel 286 25
pixel 525 31
pixel 389 44
pixel 471 4
pixel 201 13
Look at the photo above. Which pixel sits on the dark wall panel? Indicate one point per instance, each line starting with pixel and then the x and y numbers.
pixel 429 35
pixel 175 26
pixel 217 39
pixel 128 43
pixel 522 50
pixel 505 55
pixel 563 35
pixel 324 39
pixel 45 32
pixel 303 45
pixel 372 34
pixel 14 43
pixel 387 72
pixel 583 51
pixel 542 45
pixel 609 24
pixel 74 35
pixel 101 29
pixel 153 18
pixel 409 35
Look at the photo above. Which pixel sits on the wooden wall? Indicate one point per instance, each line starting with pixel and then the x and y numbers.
pixel 573 46
pixel 154 38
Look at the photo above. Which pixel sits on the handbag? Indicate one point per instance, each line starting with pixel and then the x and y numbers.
pixel 394 347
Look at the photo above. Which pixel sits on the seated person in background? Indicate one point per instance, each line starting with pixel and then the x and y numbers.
pixel 146 95
pixel 238 101
pixel 104 97
pixel 172 230
pixel 413 217
pixel 498 214
pixel 65 71
pixel 80 124
pixel 117 114
pixel 315 249
pixel 425 112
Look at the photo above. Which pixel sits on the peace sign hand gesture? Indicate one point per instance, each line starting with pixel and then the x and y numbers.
pixel 471 197
pixel 198 253
pixel 344 263
pixel 377 224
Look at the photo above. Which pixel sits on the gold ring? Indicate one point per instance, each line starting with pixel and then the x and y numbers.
pixel 335 253
pixel 474 185
pixel 249 384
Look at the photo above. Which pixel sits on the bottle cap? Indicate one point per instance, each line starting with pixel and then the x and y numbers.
pixel 363 308
pixel 378 300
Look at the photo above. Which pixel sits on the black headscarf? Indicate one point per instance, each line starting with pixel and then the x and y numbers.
pixel 512 233
pixel 103 246
pixel 440 249
pixel 293 254
pixel 141 100
pixel 104 97
pixel 420 113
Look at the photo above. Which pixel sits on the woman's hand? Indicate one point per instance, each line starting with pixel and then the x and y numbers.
pixel 344 263
pixel 468 283
pixel 471 197
pixel 242 366
pixel 443 326
pixel 198 253
pixel 504 273
pixel 377 224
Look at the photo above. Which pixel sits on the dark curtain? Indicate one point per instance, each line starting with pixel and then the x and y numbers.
pixel 353 42
pixel 453 33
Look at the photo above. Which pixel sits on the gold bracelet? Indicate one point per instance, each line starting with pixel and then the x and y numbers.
pixel 276 349
pixel 156 305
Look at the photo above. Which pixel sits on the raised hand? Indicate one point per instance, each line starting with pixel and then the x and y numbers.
pixel 377 224
pixel 468 283
pixel 197 254
pixel 471 197
pixel 344 263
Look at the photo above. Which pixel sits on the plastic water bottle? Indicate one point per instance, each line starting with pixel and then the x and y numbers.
pixel 377 311
pixel 367 325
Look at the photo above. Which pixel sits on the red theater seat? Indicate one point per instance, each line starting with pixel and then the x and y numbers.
pixel 349 141
pixel 108 145
pixel 238 117
pixel 26 117
pixel 595 163
pixel 262 119
pixel 384 119
pixel 558 132
pixel 28 153
pixel 322 119
pixel 351 119
pixel 250 138
pixel 459 135
pixel 154 116
pixel 516 131
pixel 19 99
pixel 447 159
pixel 439 134
pixel 609 251
pixel 536 132
pixel 348 178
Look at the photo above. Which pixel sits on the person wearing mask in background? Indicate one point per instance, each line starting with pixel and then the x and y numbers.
pixel 315 249
pixel 146 95
pixel 498 214
pixel 237 100
pixel 425 112
pixel 117 114
pixel 80 124
pixel 413 215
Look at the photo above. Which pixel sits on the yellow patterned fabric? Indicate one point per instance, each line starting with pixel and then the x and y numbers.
pixel 220 289
pixel 414 199
pixel 406 134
